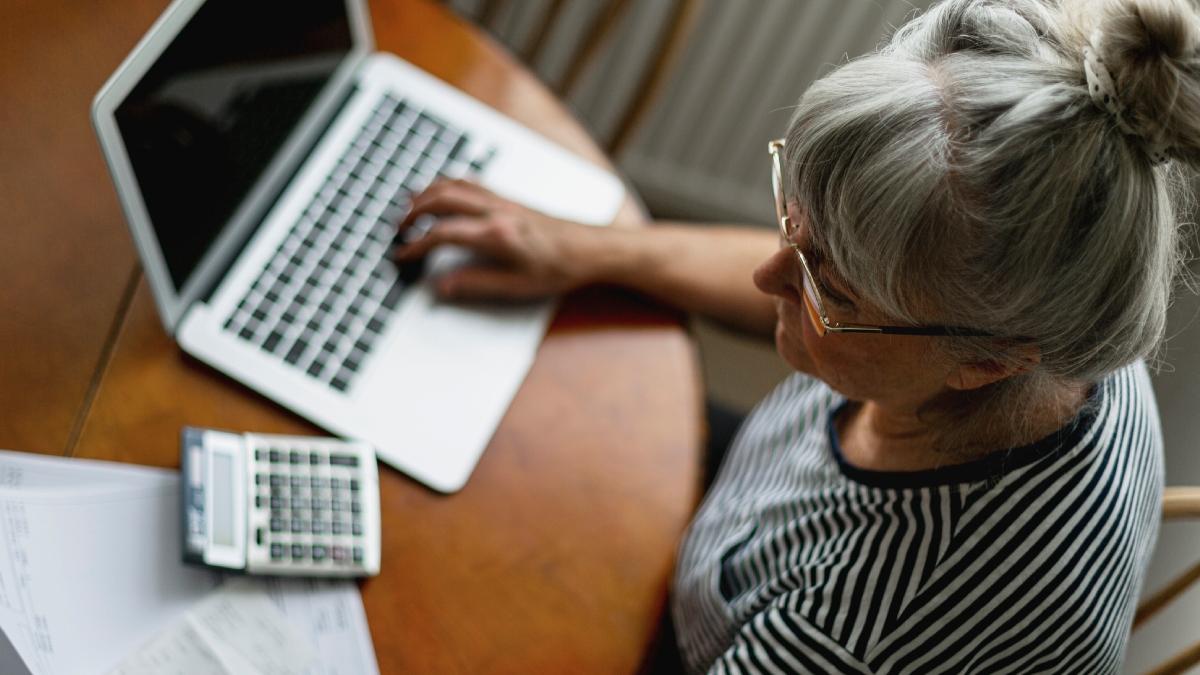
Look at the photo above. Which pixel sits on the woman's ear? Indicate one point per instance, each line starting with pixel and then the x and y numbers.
pixel 1022 358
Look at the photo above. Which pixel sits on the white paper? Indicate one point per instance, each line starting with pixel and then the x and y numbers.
pixel 234 631
pixel 178 651
pixel 90 571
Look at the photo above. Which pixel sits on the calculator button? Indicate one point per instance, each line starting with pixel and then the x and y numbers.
pixel 299 503
pixel 299 551
pixel 294 457
pixel 260 536
pixel 297 525
pixel 320 504
pixel 318 552
pixel 276 551
pixel 335 483
pixel 354 484
pixel 276 480
pixel 314 458
pixel 275 456
pixel 355 507
pixel 318 527
pixel 340 554
pixel 277 524
pixel 339 527
pixel 297 482
pixel 259 501
pixel 358 554
pixel 260 478
pixel 276 503
pixel 343 460
pixel 259 455
pixel 357 528
pixel 317 482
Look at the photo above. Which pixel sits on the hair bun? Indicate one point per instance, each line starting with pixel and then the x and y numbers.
pixel 1150 47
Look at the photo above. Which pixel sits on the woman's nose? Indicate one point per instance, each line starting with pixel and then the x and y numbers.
pixel 772 275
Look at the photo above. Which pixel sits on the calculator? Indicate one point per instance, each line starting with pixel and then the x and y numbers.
pixel 280 505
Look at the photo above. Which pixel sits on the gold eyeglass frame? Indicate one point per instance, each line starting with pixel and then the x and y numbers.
pixel 813 304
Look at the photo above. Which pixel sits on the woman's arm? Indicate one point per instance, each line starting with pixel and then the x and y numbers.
pixel 701 269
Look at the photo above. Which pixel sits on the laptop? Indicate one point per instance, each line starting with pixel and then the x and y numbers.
pixel 263 153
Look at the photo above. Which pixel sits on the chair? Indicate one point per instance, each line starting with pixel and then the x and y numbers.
pixel 599 34
pixel 1178 503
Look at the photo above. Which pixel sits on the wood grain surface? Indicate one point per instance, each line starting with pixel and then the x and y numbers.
pixel 557 554
pixel 66 260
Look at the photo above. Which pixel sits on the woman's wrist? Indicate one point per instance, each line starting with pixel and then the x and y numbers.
pixel 598 255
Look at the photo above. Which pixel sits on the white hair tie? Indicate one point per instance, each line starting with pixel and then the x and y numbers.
pixel 1103 91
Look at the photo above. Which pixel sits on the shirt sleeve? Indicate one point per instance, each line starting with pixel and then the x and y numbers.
pixel 777 641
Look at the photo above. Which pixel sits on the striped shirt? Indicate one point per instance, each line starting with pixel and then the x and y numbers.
pixel 1029 560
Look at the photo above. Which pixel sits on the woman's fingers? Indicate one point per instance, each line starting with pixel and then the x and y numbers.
pixel 477 234
pixel 483 282
pixel 455 197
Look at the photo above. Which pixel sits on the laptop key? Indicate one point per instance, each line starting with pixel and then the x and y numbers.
pixel 294 354
pixel 397 289
pixel 272 341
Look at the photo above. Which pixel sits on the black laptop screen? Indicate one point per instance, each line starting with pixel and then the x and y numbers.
pixel 207 118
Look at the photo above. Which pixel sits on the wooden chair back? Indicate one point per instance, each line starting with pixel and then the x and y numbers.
pixel 1178 503
pixel 600 35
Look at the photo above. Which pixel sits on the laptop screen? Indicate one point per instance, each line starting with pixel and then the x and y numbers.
pixel 207 118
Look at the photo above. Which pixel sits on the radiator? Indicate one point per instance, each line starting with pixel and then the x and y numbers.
pixel 701 151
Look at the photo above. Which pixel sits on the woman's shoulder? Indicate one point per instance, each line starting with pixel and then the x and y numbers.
pixel 1043 561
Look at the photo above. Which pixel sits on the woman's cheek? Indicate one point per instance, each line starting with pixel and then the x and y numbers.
pixel 793 334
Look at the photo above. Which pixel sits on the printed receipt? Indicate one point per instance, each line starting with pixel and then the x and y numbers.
pixel 234 631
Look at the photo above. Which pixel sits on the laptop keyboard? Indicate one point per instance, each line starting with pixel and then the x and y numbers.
pixel 331 287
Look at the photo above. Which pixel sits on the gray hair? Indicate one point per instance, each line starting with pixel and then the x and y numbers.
pixel 962 175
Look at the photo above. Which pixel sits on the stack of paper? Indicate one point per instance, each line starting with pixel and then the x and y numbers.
pixel 91 580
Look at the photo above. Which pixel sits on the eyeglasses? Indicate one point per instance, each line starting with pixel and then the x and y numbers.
pixel 812 294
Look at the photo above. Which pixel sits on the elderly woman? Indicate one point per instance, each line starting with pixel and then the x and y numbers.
pixel 976 247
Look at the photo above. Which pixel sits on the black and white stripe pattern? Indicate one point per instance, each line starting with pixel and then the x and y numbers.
pixel 1026 561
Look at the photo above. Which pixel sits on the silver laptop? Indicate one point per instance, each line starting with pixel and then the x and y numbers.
pixel 263 153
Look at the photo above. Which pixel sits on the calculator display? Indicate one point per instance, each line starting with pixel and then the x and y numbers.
pixel 222 492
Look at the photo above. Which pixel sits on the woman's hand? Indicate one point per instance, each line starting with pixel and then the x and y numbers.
pixel 527 254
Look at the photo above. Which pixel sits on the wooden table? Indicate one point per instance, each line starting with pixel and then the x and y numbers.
pixel 557 554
